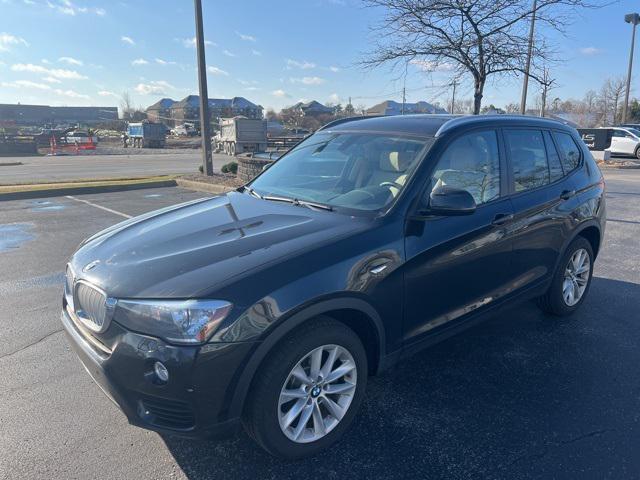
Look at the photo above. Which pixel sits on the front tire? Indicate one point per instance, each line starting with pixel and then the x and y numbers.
pixel 571 281
pixel 308 391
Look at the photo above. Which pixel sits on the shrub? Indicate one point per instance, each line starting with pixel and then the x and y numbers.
pixel 231 167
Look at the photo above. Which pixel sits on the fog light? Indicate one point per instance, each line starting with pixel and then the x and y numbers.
pixel 161 372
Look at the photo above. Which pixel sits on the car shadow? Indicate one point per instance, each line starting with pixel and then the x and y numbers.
pixel 514 397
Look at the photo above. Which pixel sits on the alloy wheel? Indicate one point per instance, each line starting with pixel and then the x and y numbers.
pixel 317 393
pixel 576 277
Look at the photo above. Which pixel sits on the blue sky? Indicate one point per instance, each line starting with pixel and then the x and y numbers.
pixel 81 52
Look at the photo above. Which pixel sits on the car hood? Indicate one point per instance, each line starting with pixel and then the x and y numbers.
pixel 190 250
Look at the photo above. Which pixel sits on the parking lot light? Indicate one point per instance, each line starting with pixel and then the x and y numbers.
pixel 633 19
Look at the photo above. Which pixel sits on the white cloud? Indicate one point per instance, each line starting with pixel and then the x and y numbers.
pixel 255 52
pixel 589 51
pixel 248 38
pixel 334 69
pixel 334 98
pixel 70 61
pixel 127 40
pixel 66 7
pixel 252 89
pixel 7 41
pixel 25 84
pixel 45 61
pixel 191 42
pixel 139 61
pixel 70 94
pixel 160 61
pixel 107 93
pixel 308 80
pixel 158 87
pixel 304 65
pixel 280 94
pixel 54 72
pixel 217 71
pixel 51 79
pixel 228 53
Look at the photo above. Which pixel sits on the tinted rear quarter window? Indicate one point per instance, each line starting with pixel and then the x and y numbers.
pixel 569 151
pixel 528 158
pixel 555 167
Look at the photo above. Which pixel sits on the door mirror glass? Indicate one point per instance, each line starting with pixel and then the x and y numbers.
pixel 446 200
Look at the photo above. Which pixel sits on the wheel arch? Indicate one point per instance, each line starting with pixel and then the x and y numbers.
pixel 356 313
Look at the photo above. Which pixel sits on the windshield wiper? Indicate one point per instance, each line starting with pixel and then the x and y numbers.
pixel 295 201
pixel 252 192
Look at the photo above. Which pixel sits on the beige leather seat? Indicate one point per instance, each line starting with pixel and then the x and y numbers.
pixel 392 167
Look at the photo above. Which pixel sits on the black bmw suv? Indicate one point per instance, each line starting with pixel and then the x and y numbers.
pixel 375 237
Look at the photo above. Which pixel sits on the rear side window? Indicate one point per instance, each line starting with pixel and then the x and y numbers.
pixel 528 159
pixel 555 167
pixel 569 151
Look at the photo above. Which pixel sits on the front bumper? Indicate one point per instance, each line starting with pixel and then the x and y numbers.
pixel 195 402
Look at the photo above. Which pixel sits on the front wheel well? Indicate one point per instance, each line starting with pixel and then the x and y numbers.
pixel 592 235
pixel 365 328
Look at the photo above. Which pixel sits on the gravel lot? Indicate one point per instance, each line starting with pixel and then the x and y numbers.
pixel 520 396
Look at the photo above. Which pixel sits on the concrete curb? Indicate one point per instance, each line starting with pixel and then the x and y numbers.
pixel 51 190
pixel 204 187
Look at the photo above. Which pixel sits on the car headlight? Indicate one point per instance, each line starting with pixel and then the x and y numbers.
pixel 177 321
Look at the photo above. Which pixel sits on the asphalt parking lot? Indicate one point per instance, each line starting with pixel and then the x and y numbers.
pixel 520 396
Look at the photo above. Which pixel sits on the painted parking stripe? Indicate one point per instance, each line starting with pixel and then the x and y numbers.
pixel 115 212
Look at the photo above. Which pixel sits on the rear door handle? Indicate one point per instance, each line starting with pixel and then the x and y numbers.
pixel 502 218
pixel 567 194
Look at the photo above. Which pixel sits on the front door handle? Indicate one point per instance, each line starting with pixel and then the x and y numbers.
pixel 567 194
pixel 502 218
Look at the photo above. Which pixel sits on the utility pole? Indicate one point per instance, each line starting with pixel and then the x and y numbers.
pixel 205 126
pixel 453 96
pixel 525 85
pixel 634 19
pixel 403 100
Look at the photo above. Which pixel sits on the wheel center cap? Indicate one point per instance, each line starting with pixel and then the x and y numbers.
pixel 315 391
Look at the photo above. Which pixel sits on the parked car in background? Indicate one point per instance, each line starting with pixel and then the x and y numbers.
pixel 271 305
pixel 625 141
pixel 184 130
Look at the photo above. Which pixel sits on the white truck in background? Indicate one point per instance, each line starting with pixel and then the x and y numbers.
pixel 240 135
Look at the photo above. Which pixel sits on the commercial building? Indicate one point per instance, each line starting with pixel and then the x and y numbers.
pixel 38 115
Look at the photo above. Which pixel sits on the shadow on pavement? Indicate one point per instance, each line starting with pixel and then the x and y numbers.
pixel 523 395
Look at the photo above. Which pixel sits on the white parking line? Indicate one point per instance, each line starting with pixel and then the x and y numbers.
pixel 115 212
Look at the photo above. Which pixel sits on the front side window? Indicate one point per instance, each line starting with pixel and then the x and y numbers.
pixel 528 159
pixel 356 170
pixel 471 163
pixel 569 151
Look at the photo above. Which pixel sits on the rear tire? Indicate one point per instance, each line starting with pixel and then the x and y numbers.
pixel 571 282
pixel 278 390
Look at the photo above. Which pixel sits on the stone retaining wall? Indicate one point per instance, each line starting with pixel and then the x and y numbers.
pixel 249 168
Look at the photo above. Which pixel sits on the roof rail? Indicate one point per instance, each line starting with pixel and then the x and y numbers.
pixel 340 121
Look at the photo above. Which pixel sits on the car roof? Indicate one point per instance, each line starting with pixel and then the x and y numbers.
pixel 434 124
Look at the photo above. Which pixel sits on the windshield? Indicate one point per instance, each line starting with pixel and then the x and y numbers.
pixel 362 171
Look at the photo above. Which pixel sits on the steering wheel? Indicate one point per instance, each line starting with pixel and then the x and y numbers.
pixel 392 184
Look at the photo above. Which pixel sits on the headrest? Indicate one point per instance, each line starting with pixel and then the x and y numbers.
pixel 394 161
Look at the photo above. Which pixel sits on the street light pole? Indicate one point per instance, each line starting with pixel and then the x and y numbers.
pixel 634 19
pixel 525 84
pixel 205 125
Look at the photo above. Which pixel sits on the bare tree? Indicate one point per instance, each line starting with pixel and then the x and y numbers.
pixel 126 106
pixel 546 83
pixel 617 88
pixel 480 38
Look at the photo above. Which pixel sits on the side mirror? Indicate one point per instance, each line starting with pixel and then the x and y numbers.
pixel 449 201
